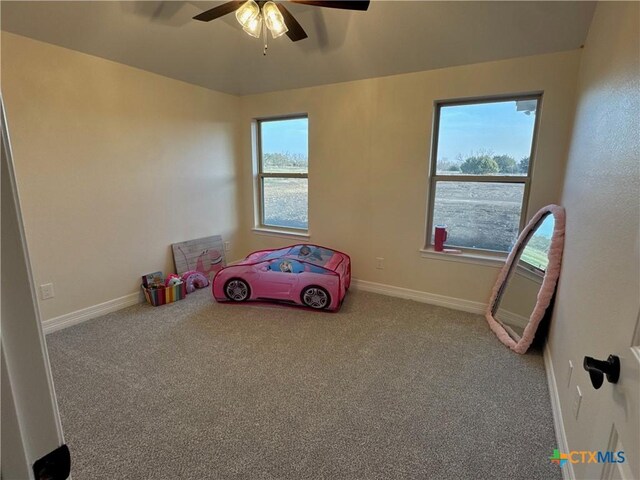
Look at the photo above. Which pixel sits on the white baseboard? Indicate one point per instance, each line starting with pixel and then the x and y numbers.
pixel 511 318
pixel 82 315
pixel 558 423
pixel 418 296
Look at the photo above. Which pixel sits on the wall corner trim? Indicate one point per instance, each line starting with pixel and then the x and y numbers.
pixel 418 296
pixel 84 314
pixel 558 423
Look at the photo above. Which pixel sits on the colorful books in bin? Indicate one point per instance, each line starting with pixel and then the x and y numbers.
pixel 157 294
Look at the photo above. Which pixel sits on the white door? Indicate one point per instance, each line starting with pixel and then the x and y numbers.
pixel 31 425
pixel 619 421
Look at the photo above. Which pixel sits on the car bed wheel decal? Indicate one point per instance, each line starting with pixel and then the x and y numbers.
pixel 315 298
pixel 237 290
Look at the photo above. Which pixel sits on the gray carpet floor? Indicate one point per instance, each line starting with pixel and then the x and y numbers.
pixel 384 389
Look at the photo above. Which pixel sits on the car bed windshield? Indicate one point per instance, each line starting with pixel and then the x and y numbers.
pixel 276 254
pixel 311 254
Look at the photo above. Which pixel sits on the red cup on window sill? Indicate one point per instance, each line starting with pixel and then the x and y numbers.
pixel 440 237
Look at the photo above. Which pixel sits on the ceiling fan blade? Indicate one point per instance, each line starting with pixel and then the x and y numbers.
pixel 217 12
pixel 296 32
pixel 361 5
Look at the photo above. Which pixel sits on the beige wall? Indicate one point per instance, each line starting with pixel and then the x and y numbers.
pixel 93 138
pixel 597 304
pixel 369 144
pixel 113 165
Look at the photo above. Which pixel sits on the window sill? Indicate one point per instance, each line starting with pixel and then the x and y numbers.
pixel 495 260
pixel 274 232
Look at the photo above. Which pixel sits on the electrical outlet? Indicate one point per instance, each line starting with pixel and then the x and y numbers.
pixel 46 291
pixel 570 373
pixel 380 263
pixel 577 400
pixel 227 246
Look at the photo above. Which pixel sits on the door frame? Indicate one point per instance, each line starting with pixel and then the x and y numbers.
pixel 31 426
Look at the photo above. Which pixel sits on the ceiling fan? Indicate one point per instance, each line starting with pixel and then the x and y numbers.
pixel 275 16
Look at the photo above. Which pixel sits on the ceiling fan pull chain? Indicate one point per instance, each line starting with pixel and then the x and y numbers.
pixel 264 50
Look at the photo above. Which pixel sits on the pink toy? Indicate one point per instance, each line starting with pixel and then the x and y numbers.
pixel 172 279
pixel 193 280
pixel 309 275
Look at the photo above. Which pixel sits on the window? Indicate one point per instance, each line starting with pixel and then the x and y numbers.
pixel 283 173
pixel 481 170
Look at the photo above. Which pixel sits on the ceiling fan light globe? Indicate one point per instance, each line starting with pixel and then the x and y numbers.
pixel 254 27
pixel 274 20
pixel 247 12
pixel 278 29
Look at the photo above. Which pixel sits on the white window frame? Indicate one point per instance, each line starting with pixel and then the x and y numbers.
pixel 260 225
pixel 434 178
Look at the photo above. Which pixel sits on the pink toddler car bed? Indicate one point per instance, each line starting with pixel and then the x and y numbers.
pixel 309 275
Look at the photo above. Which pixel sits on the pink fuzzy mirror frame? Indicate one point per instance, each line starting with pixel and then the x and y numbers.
pixel 548 283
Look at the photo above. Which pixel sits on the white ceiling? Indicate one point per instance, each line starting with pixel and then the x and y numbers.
pixel 392 37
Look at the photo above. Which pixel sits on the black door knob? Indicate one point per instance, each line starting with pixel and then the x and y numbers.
pixel 599 368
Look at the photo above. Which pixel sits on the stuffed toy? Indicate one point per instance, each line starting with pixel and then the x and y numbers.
pixel 194 280
pixel 172 279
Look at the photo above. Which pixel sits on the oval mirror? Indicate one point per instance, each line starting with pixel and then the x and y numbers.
pixel 527 282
